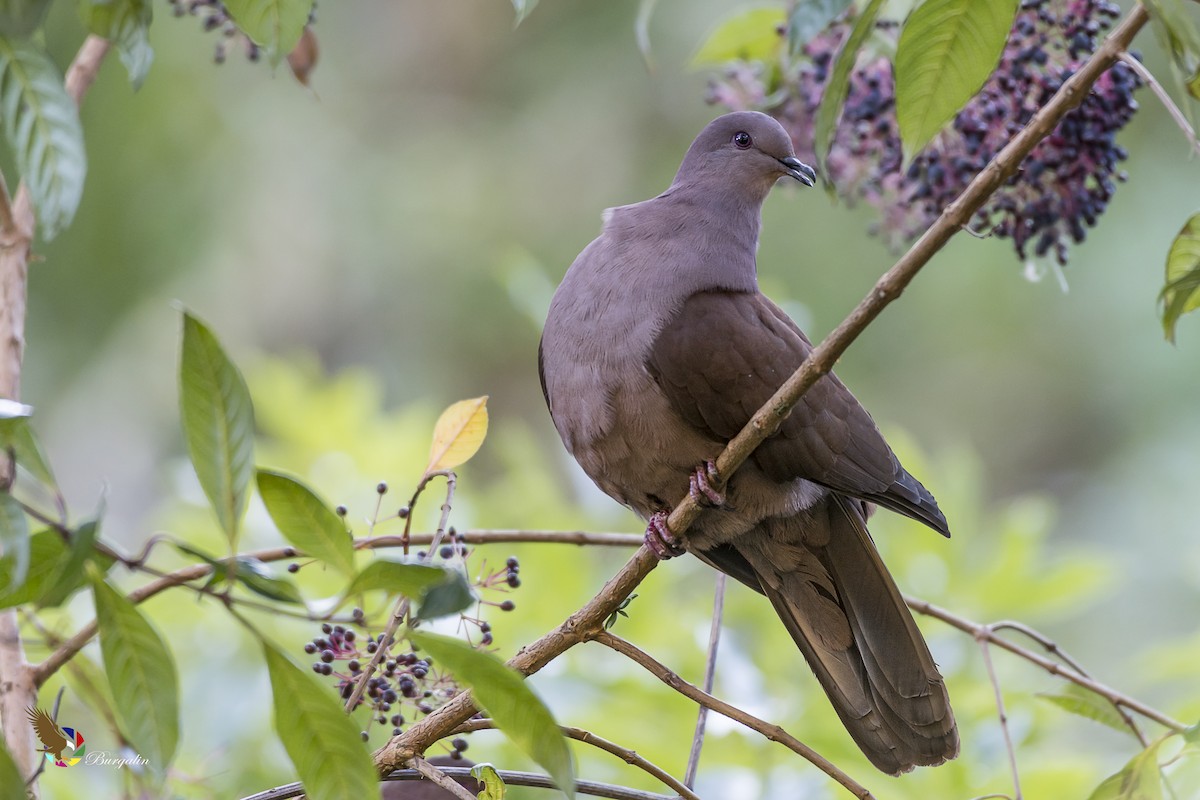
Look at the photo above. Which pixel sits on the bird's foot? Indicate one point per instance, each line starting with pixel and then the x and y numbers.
pixel 702 486
pixel 659 538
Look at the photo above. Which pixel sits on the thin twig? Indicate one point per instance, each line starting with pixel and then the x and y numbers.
pixel 1176 114
pixel 983 642
pixel 403 603
pixel 1053 667
pixel 442 779
pixel 630 757
pixel 710 669
pixel 772 732
pixel 510 778
pixel 1055 650
pixel 581 538
pixel 590 618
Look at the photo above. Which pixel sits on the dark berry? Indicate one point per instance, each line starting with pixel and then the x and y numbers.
pixel 507 605
pixel 460 744
pixel 327 656
pixel 293 568
pixel 310 648
pixel 512 562
pixel 446 552
pixel 381 488
pixel 341 511
pixel 512 580
pixel 403 512
pixel 326 629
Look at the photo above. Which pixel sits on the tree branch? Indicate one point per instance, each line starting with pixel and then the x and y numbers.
pixel 630 757
pixel 985 633
pixel 772 732
pixel 766 421
pixel 440 778
pixel 710 670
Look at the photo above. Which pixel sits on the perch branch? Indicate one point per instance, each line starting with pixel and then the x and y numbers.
pixel 983 643
pixel 589 619
pixel 630 757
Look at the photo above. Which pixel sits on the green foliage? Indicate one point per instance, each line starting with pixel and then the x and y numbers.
pixel 810 17
pixel 508 700
pixel 320 739
pixel 70 574
pixel 946 52
pixel 14 538
pixel 252 573
pixel 218 423
pixel 1181 294
pixel 838 86
pixel 19 18
pixel 440 591
pixel 41 126
pixel 126 23
pixel 16 435
pixel 1089 705
pixel 45 553
pixel 1177 34
pixel 1140 779
pixel 493 785
pixel 751 34
pixel 141 676
pixel 275 25
pixel 305 520
pixel 12 784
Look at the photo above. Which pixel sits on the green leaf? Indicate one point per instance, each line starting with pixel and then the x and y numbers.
pixel 508 700
pixel 751 34
pixel 41 124
pixel 811 17
pixel 141 675
pixel 322 742
pixel 523 9
pixel 127 23
pixel 838 85
pixel 410 580
pixel 12 784
pixel 19 18
pixel 274 25
pixel 218 423
pixel 450 596
pixel 252 573
pixel 14 538
pixel 493 784
pixel 1140 779
pixel 16 434
pixel 947 50
pixel 1080 701
pixel 306 521
pixel 1178 35
pixel 1181 294
pixel 47 553
pixel 70 575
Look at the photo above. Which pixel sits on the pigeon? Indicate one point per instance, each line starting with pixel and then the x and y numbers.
pixel 659 347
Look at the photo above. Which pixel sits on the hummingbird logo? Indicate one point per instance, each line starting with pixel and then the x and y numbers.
pixel 57 741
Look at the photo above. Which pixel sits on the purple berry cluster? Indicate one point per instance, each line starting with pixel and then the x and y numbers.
pixel 405 678
pixel 214 16
pixel 1064 184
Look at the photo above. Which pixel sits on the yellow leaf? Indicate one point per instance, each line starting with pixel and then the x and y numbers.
pixel 458 434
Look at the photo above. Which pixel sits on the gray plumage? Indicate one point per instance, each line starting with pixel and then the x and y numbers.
pixel 659 347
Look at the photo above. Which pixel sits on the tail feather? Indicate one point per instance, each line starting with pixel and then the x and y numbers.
pixel 826 581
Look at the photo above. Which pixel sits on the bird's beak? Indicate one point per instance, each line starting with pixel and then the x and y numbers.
pixel 799 170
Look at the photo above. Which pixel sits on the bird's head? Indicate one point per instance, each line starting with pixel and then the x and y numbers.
pixel 744 151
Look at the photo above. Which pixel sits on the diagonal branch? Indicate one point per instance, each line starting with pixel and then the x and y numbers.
pixel 772 732
pixel 589 620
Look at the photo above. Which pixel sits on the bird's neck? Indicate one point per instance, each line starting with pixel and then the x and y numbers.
pixel 717 240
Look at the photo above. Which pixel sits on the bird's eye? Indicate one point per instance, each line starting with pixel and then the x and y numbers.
pixel 742 140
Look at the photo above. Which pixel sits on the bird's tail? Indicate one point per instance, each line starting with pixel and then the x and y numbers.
pixel 823 575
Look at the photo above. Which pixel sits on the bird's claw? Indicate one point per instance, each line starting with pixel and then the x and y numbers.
pixel 659 538
pixel 702 483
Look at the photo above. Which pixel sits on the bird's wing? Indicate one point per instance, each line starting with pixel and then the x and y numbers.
pixel 725 353
pixel 47 730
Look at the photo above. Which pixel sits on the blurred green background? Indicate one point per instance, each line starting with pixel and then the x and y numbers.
pixel 386 243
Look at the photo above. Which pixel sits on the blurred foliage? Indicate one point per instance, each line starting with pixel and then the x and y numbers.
pixel 402 231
